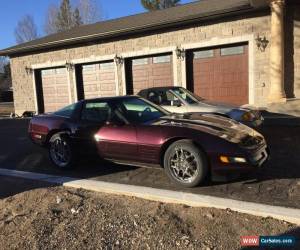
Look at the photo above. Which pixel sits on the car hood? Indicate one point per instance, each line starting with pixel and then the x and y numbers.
pixel 218 107
pixel 219 126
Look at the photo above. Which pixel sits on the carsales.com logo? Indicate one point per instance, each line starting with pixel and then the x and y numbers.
pixel 250 241
pixel 268 241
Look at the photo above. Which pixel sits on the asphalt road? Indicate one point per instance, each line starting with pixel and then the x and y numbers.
pixel 10 186
pixel 279 184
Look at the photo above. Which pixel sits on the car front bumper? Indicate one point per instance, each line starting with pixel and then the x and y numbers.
pixel 254 160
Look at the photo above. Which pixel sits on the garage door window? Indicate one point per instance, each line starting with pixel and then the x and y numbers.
pixel 204 54
pixel 47 72
pixel 109 65
pixel 61 71
pixel 237 50
pixel 89 67
pixel 162 59
pixel 140 61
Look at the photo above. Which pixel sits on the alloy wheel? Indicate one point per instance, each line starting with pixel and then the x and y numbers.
pixel 60 152
pixel 183 165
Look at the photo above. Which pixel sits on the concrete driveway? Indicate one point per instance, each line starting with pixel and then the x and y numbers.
pixel 279 184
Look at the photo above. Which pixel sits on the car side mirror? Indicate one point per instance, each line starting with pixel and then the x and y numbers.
pixel 177 103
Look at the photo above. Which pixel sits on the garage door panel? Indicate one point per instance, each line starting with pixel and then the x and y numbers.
pixel 107 87
pixel 62 93
pixel 55 89
pixel 107 77
pixel 90 77
pixel 222 75
pixel 98 80
pixel 110 82
pixel 161 72
pixel 141 72
pixel 152 71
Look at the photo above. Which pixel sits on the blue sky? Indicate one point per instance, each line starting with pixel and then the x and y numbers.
pixel 13 10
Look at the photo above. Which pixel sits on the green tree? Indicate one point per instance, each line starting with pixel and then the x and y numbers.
pixel 159 4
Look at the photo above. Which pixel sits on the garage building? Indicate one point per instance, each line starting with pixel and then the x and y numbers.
pixel 235 51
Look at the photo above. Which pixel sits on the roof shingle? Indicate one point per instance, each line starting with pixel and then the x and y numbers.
pixel 195 11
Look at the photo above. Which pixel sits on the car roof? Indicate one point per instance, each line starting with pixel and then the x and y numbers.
pixel 110 98
pixel 159 88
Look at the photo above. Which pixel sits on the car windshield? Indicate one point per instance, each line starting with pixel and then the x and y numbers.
pixel 187 96
pixel 140 111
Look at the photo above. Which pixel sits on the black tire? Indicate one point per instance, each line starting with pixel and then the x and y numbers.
pixel 61 140
pixel 194 163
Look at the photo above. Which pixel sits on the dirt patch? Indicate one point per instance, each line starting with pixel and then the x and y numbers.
pixel 60 218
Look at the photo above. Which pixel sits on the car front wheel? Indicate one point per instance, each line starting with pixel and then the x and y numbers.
pixel 185 163
pixel 60 151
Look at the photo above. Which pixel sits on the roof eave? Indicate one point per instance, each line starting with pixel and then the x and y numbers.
pixel 133 30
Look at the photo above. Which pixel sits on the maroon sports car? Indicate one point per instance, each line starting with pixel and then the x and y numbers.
pixel 131 130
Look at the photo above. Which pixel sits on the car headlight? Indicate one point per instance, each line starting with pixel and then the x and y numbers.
pixel 226 159
pixel 97 138
pixel 248 116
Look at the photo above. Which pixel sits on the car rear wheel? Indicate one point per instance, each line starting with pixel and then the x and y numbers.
pixel 185 163
pixel 60 151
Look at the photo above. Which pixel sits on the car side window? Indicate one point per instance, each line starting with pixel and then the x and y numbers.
pixel 138 111
pixel 154 97
pixel 171 99
pixel 66 111
pixel 96 112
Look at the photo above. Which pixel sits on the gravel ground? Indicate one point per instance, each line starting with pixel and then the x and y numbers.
pixel 60 218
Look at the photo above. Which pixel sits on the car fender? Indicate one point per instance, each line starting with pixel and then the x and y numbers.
pixel 56 131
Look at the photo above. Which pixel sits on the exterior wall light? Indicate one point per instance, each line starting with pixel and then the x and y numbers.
pixel 69 66
pixel 119 60
pixel 28 70
pixel 261 43
pixel 180 53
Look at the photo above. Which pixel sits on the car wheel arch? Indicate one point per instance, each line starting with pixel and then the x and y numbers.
pixel 166 145
pixel 54 132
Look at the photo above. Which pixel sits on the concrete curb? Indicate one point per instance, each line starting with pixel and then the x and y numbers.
pixel 196 200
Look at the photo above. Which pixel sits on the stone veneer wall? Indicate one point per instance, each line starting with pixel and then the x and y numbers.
pixel 23 83
pixel 297 51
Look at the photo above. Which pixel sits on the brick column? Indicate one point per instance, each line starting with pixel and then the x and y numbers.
pixel 277 93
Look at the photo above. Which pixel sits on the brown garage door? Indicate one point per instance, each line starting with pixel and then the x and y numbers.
pixel 99 80
pixel 55 89
pixel 146 72
pixel 220 74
